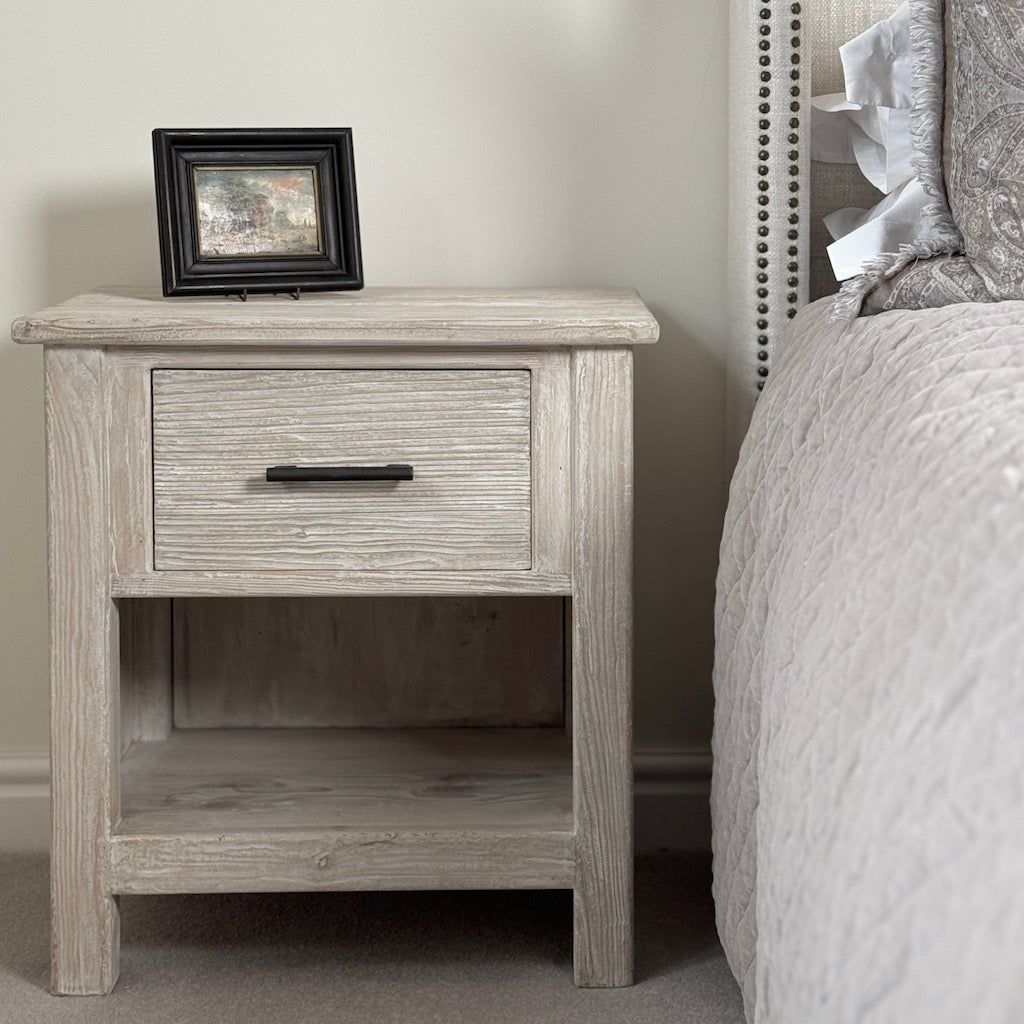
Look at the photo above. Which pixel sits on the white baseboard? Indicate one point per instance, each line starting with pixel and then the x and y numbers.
pixel 24 802
pixel 672 789
pixel 671 800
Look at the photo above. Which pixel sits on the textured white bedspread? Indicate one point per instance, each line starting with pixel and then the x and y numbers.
pixel 868 795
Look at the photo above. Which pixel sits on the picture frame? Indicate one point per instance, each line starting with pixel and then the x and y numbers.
pixel 245 210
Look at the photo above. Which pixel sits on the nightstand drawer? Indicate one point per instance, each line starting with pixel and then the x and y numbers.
pixel 464 433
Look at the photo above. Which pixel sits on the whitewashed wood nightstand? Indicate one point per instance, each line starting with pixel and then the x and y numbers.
pixel 340 598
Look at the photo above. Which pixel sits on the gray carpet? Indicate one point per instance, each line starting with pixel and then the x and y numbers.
pixel 350 958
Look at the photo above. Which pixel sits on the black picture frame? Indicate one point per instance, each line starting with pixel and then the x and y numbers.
pixel 220 231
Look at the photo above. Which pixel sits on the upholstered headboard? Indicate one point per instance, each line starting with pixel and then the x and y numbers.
pixel 781 53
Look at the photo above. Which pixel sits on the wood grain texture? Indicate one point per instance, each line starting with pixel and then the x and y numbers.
pixel 552 463
pixel 198 583
pixel 145 644
pixel 83 671
pixel 324 859
pixel 129 463
pixel 371 661
pixel 128 374
pixel 466 434
pixel 210 780
pixel 602 670
pixel 294 357
pixel 375 316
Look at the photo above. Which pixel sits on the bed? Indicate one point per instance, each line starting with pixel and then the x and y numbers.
pixel 868 789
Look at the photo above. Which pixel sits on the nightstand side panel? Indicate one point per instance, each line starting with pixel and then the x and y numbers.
pixel 83 673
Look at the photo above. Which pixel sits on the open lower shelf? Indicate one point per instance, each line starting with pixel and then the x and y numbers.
pixel 227 779
pixel 225 810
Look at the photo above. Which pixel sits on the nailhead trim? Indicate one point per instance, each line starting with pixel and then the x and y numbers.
pixel 769 63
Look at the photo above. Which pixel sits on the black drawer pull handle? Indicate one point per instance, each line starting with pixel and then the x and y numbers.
pixel 294 474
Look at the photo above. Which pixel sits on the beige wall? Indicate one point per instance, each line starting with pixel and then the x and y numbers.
pixel 498 142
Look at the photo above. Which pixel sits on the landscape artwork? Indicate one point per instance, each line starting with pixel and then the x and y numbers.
pixel 257 212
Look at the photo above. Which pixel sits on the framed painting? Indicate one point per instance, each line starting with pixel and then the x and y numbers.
pixel 257 210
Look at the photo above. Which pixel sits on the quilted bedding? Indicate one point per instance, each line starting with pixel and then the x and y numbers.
pixel 868 793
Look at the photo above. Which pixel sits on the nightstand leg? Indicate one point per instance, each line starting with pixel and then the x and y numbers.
pixel 83 674
pixel 602 652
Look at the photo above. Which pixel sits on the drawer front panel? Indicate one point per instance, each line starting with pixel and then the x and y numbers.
pixel 466 434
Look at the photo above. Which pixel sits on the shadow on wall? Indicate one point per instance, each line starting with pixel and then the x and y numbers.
pixel 81 238
pixel 99 239
pixel 679 489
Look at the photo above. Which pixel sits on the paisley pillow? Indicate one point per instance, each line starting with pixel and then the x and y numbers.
pixel 968 124
pixel 986 186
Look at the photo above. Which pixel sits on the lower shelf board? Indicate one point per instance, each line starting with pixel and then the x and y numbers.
pixel 223 779
pixel 280 809
pixel 341 859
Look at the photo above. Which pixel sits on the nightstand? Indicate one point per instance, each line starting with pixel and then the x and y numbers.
pixel 340 598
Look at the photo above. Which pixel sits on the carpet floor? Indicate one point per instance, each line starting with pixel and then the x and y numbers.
pixel 373 958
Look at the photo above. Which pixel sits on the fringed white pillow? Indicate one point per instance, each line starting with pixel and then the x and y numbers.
pixel 870 125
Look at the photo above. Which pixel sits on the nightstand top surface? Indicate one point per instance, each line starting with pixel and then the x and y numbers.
pixel 471 317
